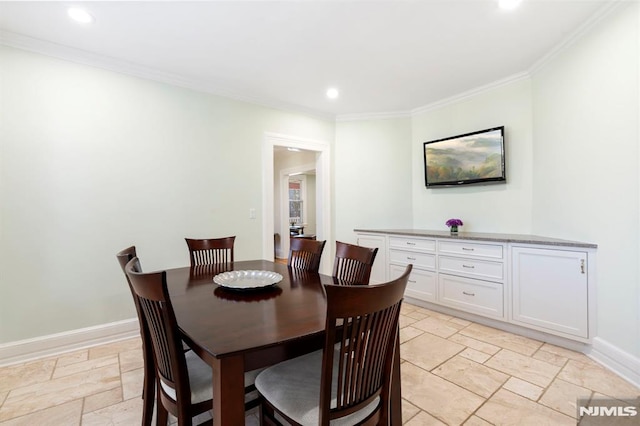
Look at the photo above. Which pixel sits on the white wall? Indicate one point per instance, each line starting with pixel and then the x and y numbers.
pixel 372 176
pixel 93 161
pixel 502 208
pixel 572 143
pixel 586 181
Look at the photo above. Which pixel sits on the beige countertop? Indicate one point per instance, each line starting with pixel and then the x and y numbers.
pixel 500 238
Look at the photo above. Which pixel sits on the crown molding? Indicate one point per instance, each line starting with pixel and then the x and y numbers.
pixel 583 29
pixel 435 105
pixel 596 18
pixel 124 67
pixel 471 93
pixel 84 57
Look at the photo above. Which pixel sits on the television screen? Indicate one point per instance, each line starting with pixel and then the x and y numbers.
pixel 472 158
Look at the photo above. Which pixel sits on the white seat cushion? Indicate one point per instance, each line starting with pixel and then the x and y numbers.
pixel 293 387
pixel 201 379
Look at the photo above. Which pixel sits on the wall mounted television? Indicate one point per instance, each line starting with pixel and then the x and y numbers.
pixel 473 158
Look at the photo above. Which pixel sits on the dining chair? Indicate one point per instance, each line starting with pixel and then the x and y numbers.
pixel 305 254
pixel 352 264
pixel 184 382
pixel 148 383
pixel 349 381
pixel 210 257
pixel 211 250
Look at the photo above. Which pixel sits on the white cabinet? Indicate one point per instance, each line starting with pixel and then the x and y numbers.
pixel 524 282
pixel 421 253
pixel 471 276
pixel 550 290
pixel 378 270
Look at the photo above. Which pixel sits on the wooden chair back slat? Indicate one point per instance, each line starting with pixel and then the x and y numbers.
pixel 210 251
pixel 352 264
pixel 305 254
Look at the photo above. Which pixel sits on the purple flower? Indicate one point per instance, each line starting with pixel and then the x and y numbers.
pixel 454 222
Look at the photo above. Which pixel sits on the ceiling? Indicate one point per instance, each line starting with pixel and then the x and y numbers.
pixel 385 56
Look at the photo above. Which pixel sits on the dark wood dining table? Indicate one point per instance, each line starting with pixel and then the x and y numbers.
pixel 238 331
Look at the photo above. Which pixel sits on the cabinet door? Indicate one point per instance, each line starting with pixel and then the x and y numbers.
pixel 550 290
pixel 378 271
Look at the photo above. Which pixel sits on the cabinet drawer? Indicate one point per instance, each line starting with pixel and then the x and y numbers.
pixel 412 243
pixel 458 248
pixel 422 284
pixel 419 260
pixel 472 267
pixel 481 297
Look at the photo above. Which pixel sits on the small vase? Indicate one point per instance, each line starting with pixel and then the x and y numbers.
pixel 454 229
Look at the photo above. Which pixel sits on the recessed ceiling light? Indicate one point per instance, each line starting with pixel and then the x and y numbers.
pixel 80 15
pixel 332 93
pixel 508 4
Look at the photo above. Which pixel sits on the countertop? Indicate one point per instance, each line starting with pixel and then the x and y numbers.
pixel 500 238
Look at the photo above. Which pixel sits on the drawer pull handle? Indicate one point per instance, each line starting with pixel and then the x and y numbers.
pixel 411 258
pixel 409 243
pixel 412 281
pixel 582 266
pixel 468 266
pixel 467 249
pixel 468 294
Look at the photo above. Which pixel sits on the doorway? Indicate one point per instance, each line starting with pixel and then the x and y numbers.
pixel 275 181
pixel 295 196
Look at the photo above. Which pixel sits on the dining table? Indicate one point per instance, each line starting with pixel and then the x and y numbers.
pixel 235 331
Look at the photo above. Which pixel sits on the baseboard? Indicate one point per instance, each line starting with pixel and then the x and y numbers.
pixel 604 353
pixel 613 358
pixel 505 326
pixel 54 344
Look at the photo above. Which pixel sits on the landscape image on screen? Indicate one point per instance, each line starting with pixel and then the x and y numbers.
pixel 465 158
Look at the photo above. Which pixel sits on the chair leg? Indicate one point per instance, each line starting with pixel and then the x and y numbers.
pixel 184 416
pixel 261 414
pixel 267 415
pixel 148 396
pixel 162 415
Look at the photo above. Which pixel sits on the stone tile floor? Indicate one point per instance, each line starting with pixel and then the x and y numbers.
pixel 453 372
